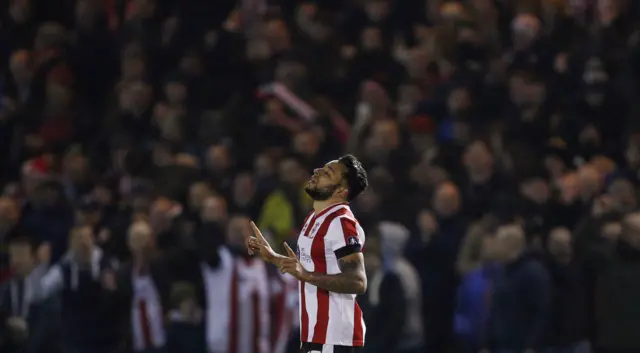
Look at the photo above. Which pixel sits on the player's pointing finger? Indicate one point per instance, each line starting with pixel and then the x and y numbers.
pixel 290 252
pixel 257 232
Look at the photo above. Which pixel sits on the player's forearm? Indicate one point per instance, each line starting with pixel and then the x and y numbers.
pixel 346 282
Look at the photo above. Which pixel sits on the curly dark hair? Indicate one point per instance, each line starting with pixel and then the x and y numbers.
pixel 355 176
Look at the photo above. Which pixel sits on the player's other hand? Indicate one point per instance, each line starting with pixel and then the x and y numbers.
pixel 292 265
pixel 258 245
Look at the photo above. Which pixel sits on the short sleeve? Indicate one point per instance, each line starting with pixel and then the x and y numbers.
pixel 345 237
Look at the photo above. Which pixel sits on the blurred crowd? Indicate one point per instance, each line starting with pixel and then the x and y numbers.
pixel 138 138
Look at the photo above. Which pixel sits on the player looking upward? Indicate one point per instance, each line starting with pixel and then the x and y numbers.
pixel 329 262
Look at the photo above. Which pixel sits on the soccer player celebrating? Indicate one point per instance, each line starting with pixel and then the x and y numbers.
pixel 329 262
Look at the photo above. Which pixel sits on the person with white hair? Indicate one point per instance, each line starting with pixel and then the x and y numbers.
pixel 522 296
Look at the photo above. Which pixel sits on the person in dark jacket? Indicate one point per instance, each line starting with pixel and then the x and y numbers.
pixel 568 333
pixel 25 324
pixel 185 332
pixel 85 281
pixel 618 290
pixel 521 300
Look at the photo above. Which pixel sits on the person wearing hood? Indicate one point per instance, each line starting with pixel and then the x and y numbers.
pixel 85 281
pixel 617 288
pixel 521 302
pixel 394 298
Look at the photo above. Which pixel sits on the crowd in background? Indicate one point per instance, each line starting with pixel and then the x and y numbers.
pixel 139 137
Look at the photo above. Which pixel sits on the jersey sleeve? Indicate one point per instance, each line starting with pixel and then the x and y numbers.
pixel 345 237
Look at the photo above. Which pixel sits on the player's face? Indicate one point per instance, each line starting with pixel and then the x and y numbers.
pixel 325 181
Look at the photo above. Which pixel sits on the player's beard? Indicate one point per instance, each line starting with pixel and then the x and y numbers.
pixel 320 194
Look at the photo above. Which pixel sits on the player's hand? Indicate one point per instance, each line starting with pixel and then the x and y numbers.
pixel 292 265
pixel 258 245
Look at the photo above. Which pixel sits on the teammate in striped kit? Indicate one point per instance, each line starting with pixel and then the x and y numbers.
pixel 329 262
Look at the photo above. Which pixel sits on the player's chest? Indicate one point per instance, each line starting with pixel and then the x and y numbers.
pixel 306 250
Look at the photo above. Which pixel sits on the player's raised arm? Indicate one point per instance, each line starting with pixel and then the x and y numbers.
pixel 257 244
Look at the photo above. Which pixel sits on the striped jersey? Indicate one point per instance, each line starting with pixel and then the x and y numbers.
pixel 326 317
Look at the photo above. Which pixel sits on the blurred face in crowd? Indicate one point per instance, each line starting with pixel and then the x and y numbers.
pixel 306 144
pixel 21 258
pixel 238 230
pixel 133 68
pixel 569 188
pixel 218 159
pixel 631 230
pixel 526 92
pixel 20 10
pixel 446 201
pixel 140 238
pixel 9 215
pixel 48 36
pixel 525 29
pixel 243 189
pixel 21 67
pixel 459 101
pixel 560 243
pixel 144 8
pixel 608 10
pixel 377 10
pixel 291 172
pixel 214 209
pixel 135 97
pixel 536 190
pixel 102 195
pixel 86 12
pixel 82 243
pixel 75 166
pixel 385 135
pixel 450 12
pixel 554 165
pixel 258 50
pixel 510 242
pixel 161 215
pixel 198 192
pixel 90 215
pixel 58 96
pixel 277 34
pixel 176 92
pixel 589 181
pixel 624 195
pixel 264 166
pixel 327 181
pixel 371 39
pixel 489 248
pixel 191 64
pixel 478 158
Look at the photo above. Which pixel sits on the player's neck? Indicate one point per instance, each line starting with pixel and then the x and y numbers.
pixel 319 206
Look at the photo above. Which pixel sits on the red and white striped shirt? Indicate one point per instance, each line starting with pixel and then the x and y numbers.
pixel 284 302
pixel 238 310
pixel 326 317
pixel 146 314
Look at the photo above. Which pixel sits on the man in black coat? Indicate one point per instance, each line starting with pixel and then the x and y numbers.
pixel 521 300
pixel 26 326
